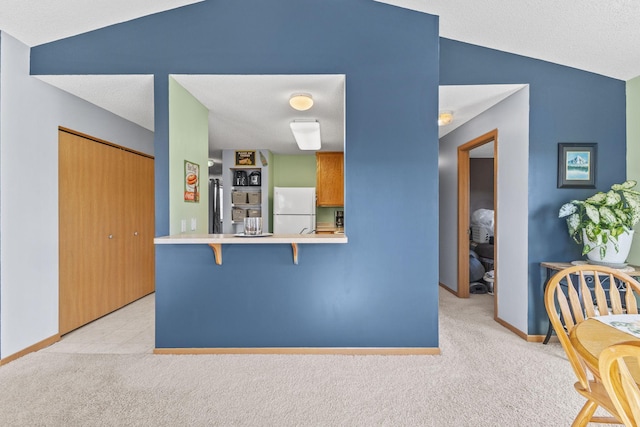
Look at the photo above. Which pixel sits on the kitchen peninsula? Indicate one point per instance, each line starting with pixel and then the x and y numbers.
pixel 215 241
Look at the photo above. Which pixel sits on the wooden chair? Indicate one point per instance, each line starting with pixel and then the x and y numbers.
pixel 569 300
pixel 618 381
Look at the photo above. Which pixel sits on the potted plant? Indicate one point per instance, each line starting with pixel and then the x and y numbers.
pixel 604 222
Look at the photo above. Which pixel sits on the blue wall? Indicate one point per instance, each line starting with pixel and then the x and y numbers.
pixel 566 105
pixel 379 290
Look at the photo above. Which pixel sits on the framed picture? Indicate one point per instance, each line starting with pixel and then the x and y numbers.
pixel 246 158
pixel 191 182
pixel 577 164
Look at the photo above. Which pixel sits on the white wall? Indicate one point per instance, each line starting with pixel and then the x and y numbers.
pixel 30 113
pixel 511 118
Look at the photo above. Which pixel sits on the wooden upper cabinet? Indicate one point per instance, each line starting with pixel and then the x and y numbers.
pixel 330 178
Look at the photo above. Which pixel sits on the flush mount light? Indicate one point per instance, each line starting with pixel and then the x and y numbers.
pixel 301 101
pixel 306 133
pixel 445 118
pixel 211 163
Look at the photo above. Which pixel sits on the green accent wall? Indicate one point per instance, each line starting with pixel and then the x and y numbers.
pixel 633 151
pixel 188 140
pixel 326 215
pixel 299 170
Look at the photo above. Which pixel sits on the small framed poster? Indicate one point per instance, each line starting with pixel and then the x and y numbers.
pixel 191 182
pixel 577 164
pixel 246 158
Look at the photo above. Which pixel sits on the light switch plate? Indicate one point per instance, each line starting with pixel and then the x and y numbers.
pixel 193 224
pixel 183 226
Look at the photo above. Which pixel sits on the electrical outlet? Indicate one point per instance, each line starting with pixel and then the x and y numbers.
pixel 183 226
pixel 193 224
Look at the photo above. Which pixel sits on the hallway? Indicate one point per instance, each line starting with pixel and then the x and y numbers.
pixel 130 330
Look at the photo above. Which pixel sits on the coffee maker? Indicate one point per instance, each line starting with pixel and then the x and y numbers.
pixel 340 219
pixel 240 178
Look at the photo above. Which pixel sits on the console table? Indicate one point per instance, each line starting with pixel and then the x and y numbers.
pixel 554 267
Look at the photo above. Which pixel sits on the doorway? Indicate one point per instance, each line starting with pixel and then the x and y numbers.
pixel 464 207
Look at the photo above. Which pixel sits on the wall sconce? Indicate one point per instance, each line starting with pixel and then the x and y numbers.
pixel 445 118
pixel 306 133
pixel 301 101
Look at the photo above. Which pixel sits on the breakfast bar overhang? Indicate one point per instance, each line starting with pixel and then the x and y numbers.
pixel 215 241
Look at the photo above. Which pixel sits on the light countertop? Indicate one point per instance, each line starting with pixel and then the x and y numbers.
pixel 325 227
pixel 216 241
pixel 190 239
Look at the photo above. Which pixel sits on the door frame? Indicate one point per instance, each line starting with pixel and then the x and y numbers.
pixel 463 212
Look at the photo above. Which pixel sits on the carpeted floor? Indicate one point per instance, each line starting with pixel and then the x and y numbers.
pixel 486 376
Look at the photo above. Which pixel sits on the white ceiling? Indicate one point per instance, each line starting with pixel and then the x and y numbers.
pixel 601 37
pixel 467 102
pixel 128 96
pixel 593 35
pixel 252 111
pixel 35 22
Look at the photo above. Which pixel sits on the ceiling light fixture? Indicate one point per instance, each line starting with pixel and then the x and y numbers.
pixel 445 118
pixel 301 101
pixel 306 133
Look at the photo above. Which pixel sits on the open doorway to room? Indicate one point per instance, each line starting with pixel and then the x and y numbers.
pixel 477 112
pixel 477 202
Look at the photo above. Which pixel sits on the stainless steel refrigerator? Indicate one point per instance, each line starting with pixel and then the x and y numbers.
pixel 215 206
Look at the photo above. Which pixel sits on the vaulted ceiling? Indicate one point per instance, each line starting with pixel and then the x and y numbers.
pixel 596 36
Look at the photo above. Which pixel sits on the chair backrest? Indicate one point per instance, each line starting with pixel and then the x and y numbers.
pixel 583 291
pixel 617 379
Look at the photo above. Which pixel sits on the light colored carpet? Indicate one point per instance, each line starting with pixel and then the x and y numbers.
pixel 486 376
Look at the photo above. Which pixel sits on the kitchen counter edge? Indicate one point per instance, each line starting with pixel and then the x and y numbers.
pixel 191 239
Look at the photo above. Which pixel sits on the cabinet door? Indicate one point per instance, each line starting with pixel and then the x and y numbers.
pixel 106 228
pixel 330 179
pixel 89 223
pixel 138 226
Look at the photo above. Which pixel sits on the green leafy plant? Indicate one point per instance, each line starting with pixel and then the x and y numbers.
pixel 603 217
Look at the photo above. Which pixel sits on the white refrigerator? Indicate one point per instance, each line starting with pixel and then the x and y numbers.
pixel 294 210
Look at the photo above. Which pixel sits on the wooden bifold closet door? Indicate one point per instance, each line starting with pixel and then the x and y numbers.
pixel 106 226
